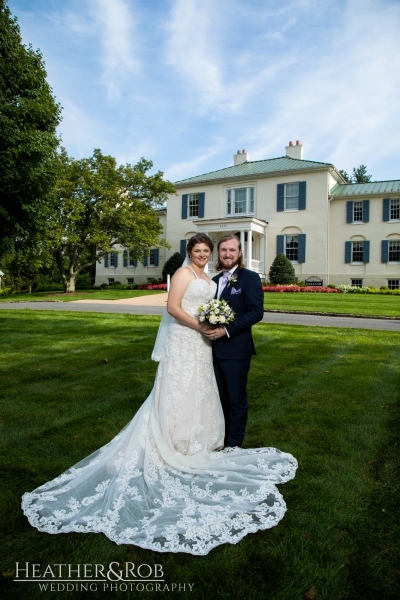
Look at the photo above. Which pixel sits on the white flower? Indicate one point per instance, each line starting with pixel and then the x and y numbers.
pixel 201 319
pixel 213 319
pixel 222 319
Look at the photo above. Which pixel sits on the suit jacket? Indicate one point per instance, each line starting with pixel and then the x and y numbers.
pixel 247 300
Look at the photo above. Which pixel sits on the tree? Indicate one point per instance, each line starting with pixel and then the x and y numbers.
pixel 25 265
pixel 29 116
pixel 97 205
pixel 172 264
pixel 359 175
pixel 282 271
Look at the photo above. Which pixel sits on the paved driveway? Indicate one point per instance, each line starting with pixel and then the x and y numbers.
pixel 154 305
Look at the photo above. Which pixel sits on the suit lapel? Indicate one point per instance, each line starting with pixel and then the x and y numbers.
pixel 226 292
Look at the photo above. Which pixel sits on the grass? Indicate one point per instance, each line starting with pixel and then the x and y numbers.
pixel 359 304
pixel 79 295
pixel 329 396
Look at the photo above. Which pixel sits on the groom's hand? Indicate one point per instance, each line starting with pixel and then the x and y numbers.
pixel 214 333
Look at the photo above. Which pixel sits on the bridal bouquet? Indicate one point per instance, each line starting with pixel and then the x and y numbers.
pixel 216 312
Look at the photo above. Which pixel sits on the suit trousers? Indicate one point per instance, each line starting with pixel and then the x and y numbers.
pixel 231 376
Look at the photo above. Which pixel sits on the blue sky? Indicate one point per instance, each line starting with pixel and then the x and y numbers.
pixel 186 83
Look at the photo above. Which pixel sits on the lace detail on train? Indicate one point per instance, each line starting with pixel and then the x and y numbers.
pixel 161 483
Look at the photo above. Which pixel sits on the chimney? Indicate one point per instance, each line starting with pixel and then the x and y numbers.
pixel 294 151
pixel 240 157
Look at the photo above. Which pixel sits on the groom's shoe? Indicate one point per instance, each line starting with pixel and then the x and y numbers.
pixel 230 448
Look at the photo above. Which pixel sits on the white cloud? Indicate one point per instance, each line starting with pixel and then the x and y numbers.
pixel 119 37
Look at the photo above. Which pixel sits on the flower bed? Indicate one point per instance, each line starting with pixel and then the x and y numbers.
pixel 297 288
pixel 153 286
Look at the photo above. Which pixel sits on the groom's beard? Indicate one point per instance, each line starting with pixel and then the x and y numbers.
pixel 227 266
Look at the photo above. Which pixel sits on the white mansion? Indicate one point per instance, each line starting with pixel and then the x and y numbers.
pixel 332 231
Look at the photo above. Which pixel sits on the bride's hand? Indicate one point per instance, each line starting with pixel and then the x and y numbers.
pixel 214 333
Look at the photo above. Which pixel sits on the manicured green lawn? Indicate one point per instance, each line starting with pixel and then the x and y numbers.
pixel 329 396
pixel 80 295
pixel 360 304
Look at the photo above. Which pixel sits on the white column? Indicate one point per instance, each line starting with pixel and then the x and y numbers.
pixel 263 240
pixel 249 249
pixel 242 243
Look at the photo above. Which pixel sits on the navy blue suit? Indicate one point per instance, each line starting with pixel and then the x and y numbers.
pixel 232 354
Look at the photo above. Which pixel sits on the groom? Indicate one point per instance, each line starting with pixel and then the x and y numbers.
pixel 233 344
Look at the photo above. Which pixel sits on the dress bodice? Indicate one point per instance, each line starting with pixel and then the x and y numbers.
pixel 197 293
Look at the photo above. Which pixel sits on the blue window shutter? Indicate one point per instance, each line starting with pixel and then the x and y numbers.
pixel 106 259
pixel 280 244
pixel 385 251
pixel 301 253
pixel 280 201
pixel 347 252
pixel 156 257
pixel 386 209
pixel 302 196
pixel 135 263
pixel 125 258
pixel 201 204
pixel 349 211
pixel 145 261
pixel 115 259
pixel 366 252
pixel 183 249
pixel 365 213
pixel 184 206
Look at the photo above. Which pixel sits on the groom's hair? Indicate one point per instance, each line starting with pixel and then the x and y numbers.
pixel 199 238
pixel 226 238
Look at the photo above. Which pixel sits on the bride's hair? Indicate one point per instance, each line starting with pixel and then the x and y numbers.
pixel 199 238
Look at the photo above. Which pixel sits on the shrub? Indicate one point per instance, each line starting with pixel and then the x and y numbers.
pixel 330 285
pixel 104 286
pixel 282 271
pixel 50 287
pixel 172 265
pixel 153 286
pixel 153 280
pixel 384 288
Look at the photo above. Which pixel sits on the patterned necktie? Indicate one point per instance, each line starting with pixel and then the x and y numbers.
pixel 224 281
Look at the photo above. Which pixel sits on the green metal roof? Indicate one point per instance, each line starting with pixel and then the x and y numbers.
pixel 253 168
pixel 366 189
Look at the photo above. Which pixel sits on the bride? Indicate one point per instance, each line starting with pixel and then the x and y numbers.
pixel 163 482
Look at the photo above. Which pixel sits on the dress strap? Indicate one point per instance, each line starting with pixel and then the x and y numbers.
pixel 194 273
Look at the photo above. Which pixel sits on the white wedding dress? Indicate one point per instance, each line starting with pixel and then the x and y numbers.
pixel 162 483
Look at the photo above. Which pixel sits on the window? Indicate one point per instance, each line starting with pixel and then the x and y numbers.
pixel 357 211
pixel 291 196
pixel 152 258
pixel 395 209
pixel 394 251
pixel 193 205
pixel 132 262
pixel 110 280
pixel 356 282
pixel 391 209
pixel 240 201
pixel 129 279
pixel 112 260
pixel 357 252
pixel 292 246
pixel 394 284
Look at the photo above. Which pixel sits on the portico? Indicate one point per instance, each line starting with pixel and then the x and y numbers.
pixel 253 238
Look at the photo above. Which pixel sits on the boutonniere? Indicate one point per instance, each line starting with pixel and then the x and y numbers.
pixel 232 279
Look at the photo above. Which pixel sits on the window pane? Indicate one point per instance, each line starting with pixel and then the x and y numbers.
pixel 251 200
pixel 228 202
pixel 357 212
pixel 112 260
pixel 291 196
pixel 395 209
pixel 394 251
pixel 240 200
pixel 291 247
pixel 357 255
pixel 394 284
pixel 152 257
